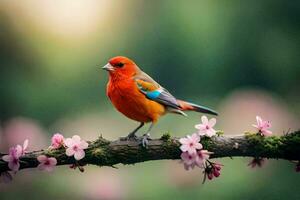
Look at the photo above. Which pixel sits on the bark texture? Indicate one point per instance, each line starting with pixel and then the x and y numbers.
pixel 102 152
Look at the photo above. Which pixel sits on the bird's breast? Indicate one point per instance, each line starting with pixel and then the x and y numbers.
pixel 127 99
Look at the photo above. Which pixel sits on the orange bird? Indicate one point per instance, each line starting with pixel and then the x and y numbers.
pixel 139 97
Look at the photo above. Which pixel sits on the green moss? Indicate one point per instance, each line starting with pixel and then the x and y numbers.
pixel 54 152
pixel 247 133
pixel 98 152
pixel 219 132
pixel 275 146
pixel 166 136
pixel 207 142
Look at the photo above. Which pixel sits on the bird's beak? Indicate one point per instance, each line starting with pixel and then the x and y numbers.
pixel 108 67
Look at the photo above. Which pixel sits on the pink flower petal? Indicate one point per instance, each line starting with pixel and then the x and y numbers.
pixel 79 155
pixel 212 122
pixel 41 166
pixel 210 132
pixel 70 151
pixel 76 139
pixel 68 142
pixel 200 162
pixel 19 151
pixel 266 132
pixel 184 156
pixel 258 120
pixel 191 151
pixel 52 161
pixel 198 146
pixel 183 148
pixel 200 126
pixel 25 145
pixel 14 166
pixel 204 120
pixel 183 140
pixel 6 158
pixel 202 156
pixel 42 158
pixel 201 133
pixel 195 137
pixel 83 145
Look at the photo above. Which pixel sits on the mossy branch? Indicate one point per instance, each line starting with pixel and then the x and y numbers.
pixel 102 152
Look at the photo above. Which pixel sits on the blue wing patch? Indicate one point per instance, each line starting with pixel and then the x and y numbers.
pixel 153 95
pixel 160 95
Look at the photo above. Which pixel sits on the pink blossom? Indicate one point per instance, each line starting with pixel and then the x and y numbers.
pixel 76 147
pixel 5 177
pixel 188 160
pixel 13 158
pixel 202 157
pixel 206 128
pixel 46 163
pixel 263 126
pixel 57 141
pixel 212 171
pixel 190 144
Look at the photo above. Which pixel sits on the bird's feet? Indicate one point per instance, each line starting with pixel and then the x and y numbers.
pixel 130 136
pixel 145 140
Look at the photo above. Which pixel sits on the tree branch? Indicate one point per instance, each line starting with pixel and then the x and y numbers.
pixel 102 152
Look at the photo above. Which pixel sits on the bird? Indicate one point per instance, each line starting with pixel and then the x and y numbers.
pixel 139 97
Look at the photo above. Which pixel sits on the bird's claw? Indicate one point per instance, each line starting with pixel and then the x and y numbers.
pixel 130 137
pixel 145 140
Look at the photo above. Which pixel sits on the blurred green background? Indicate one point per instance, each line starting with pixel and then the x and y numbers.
pixel 239 57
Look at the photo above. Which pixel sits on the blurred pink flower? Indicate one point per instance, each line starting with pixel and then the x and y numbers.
pixel 188 160
pixel 206 128
pixel 5 177
pixel 46 163
pixel 76 147
pixel 190 144
pixel 18 129
pixel 249 104
pixel 13 158
pixel 263 126
pixel 112 185
pixel 57 141
pixel 201 157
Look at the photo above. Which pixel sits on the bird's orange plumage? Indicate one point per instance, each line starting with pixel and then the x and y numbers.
pixel 126 97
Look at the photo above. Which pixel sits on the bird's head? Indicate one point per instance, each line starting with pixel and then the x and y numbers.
pixel 121 66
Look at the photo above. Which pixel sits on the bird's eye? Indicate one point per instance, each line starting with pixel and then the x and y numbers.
pixel 119 64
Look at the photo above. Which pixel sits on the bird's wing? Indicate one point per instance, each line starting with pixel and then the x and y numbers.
pixel 153 91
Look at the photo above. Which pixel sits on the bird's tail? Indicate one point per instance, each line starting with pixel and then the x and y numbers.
pixel 187 106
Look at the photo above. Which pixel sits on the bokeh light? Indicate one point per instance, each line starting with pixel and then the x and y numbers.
pixel 240 58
